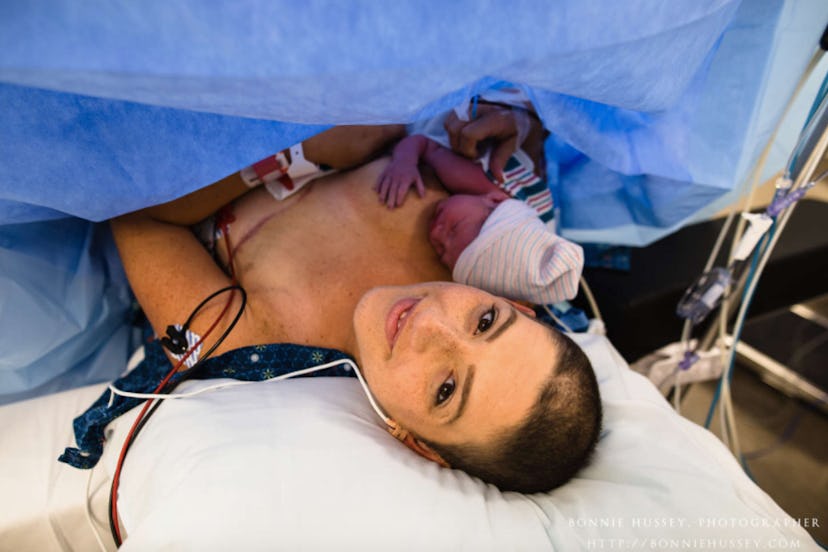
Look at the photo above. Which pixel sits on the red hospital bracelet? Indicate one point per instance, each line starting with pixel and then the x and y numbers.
pixel 269 169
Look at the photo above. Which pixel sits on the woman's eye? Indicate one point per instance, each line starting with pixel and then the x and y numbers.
pixel 445 392
pixel 486 321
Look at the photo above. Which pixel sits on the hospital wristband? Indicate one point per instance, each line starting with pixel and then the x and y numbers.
pixel 269 169
pixel 299 166
pixel 299 173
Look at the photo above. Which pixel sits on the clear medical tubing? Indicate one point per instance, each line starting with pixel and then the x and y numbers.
pixel 707 340
pixel 811 147
pixel 753 177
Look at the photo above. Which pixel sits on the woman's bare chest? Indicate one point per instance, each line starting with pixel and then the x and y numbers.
pixel 306 264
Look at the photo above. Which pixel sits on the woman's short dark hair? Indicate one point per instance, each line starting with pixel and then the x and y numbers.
pixel 554 442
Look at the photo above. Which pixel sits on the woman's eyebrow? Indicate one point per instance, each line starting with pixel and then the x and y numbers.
pixel 500 329
pixel 464 396
pixel 467 384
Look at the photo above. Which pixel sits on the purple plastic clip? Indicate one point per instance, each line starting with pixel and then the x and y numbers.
pixel 690 358
pixel 783 201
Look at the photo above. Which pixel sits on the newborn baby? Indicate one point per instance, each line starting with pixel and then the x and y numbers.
pixel 487 239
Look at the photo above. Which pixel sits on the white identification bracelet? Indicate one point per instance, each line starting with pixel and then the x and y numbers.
pixel 299 173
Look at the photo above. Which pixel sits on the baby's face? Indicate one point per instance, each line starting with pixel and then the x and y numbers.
pixel 457 221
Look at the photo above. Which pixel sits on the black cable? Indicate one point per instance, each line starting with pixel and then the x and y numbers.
pixel 172 385
pixel 233 322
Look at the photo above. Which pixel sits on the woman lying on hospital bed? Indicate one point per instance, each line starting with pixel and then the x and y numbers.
pixel 465 378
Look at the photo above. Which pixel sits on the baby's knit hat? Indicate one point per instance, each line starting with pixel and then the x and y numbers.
pixel 518 257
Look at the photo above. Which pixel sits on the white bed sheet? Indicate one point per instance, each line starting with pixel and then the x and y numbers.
pixel 42 506
pixel 305 465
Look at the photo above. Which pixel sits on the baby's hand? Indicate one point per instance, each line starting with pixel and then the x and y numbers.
pixel 394 182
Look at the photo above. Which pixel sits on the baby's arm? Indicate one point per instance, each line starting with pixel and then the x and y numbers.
pixel 458 174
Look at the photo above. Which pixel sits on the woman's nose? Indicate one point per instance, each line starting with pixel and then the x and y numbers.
pixel 434 329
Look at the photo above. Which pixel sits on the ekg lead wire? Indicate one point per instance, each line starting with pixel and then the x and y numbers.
pixel 146 412
pixel 88 513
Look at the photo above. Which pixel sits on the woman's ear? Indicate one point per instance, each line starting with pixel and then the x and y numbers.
pixel 426 451
pixel 414 444
pixel 525 309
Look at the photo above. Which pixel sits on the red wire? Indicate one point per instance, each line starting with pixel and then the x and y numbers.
pixel 116 478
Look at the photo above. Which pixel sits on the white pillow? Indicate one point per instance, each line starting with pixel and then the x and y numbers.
pixel 306 465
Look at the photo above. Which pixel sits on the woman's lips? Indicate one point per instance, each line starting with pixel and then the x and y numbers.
pixel 397 318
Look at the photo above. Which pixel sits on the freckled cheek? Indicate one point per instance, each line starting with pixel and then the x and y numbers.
pixel 369 329
pixel 404 387
pixel 399 400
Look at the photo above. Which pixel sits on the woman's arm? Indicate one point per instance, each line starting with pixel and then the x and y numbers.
pixel 198 205
pixel 170 273
pixel 345 147
pixel 341 147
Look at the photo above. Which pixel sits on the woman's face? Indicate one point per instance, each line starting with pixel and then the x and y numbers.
pixel 450 363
